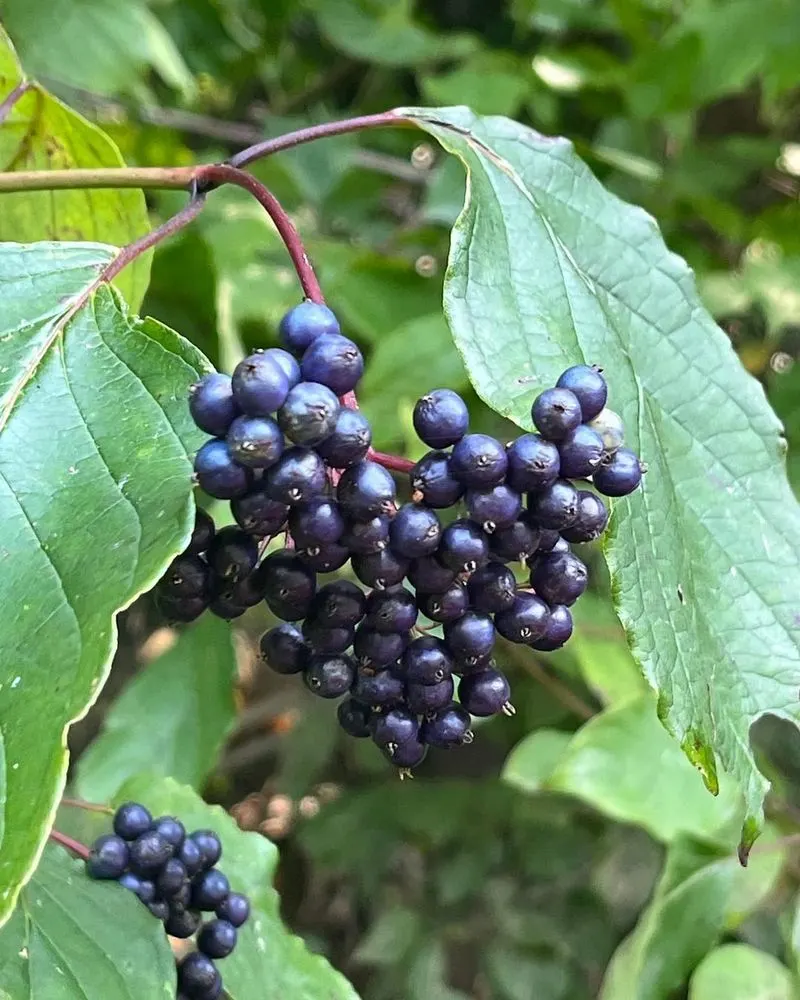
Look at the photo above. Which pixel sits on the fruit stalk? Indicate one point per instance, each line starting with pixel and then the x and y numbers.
pixel 71 845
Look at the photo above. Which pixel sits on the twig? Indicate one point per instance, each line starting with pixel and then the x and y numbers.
pixel 558 690
pixel 102 177
pixel 71 845
pixel 87 806
pixel 7 105
pixel 393 462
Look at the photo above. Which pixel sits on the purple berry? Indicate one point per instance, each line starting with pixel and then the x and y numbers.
pixel 325 558
pixel 191 856
pixel 426 698
pixel 217 939
pixel 555 507
pixel 433 483
pixel 364 537
pixel 334 361
pixel 186 576
pixel 327 641
pixel 171 879
pixel 354 718
pixel 580 452
pixel 448 606
pixel 415 531
pixel 309 413
pixel 284 649
pixel 365 490
pixel 288 585
pixel 131 820
pixel 429 576
pixel 394 727
pixel 449 727
pixel 315 523
pixel 233 554
pixel 533 463
pixel 588 384
pixel 559 578
pixel 260 385
pixel 349 442
pixel 525 620
pixel 218 473
pixel 304 323
pixel 285 361
pixel 441 418
pixel 148 853
pixel 209 889
pixel 478 461
pixel 472 636
pixel 393 610
pixel 203 532
pixel 555 413
pixel 339 604
pixel 235 908
pixel 297 477
pixel 485 693
pixel 496 508
pixel 591 521
pixel 329 676
pixel 256 442
pixel 143 888
pixel 464 546
pixel 183 923
pixel 378 689
pixel 516 543
pixel 210 847
pixel 427 661
pixel 108 857
pixel 378 649
pixel 258 514
pixel 198 977
pixel 380 569
pixel 618 474
pixel 211 404
pixel 492 588
pixel 171 829
pixel 559 629
pixel 407 755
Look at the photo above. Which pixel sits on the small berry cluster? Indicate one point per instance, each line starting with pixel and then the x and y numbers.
pixel 174 875
pixel 293 457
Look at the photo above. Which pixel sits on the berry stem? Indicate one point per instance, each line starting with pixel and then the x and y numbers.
pixel 87 806
pixel 269 146
pixel 71 845
pixel 393 462
pixel 7 105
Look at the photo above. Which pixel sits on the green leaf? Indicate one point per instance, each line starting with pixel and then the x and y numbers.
pixel 741 972
pixel 490 83
pixel 186 696
pixel 41 133
pixel 269 962
pixel 98 45
pixel 599 646
pixel 95 499
pixel 73 938
pixel 548 269
pixel 625 765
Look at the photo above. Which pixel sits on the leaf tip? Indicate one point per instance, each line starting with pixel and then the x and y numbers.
pixel 702 756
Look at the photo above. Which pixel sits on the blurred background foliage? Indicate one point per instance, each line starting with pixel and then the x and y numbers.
pixel 571 852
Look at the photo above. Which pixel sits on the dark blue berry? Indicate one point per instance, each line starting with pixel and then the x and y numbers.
pixel 160 909
pixel 484 693
pixel 492 588
pixel 364 537
pixel 471 637
pixel 525 620
pixel 415 531
pixel 555 413
pixel 618 474
pixel 255 441
pixel 258 514
pixel 591 521
pixel 225 606
pixel 284 649
pixel 380 569
pixel 289 586
pixel 580 452
pixel 406 755
pixel 217 939
pixel 287 362
pixel 260 385
pixel 478 461
pixel 171 829
pixel 198 977
pixel 211 404
pixel 378 649
pixel 441 418
pixel 533 463
pixel 559 629
pixel 555 507
pixel 183 923
pixel 449 727
pixel 448 606
pixel 171 878
pixel 245 593
pixel 218 473
pixel 329 676
pixel 516 543
pixel 148 853
pixel 495 508
pixel 316 523
pixel 181 898
pixel 427 661
pixel 365 490
pixel 233 554
pixel 131 820
pixel 235 909
pixel 327 641
pixel 349 442
pixel 429 576
pixel 426 698
pixel 394 727
pixel 304 323
pixel 191 856
pixel 548 540
pixel 335 361
pixel 209 888
pixel 378 689
pixel 433 482
pixel 181 609
pixel 339 604
pixel 393 610
pixel 210 847
pixel 297 477
pixel 203 532
pixel 354 718
pixel 325 558
pixel 143 888
pixel 559 578
pixel 108 857
pixel 588 384
pixel 464 546
pixel 309 413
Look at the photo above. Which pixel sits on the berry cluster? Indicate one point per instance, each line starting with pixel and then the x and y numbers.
pixel 174 875
pixel 293 458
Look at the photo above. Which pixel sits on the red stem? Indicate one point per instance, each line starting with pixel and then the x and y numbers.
pixel 393 462
pixel 7 105
pixel 281 142
pixel 88 806
pixel 71 845
pixel 221 173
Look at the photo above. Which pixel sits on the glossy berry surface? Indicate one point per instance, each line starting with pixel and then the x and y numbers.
pixel 427 661
pixel 555 507
pixel 448 606
pixel 233 553
pixel 211 404
pixel 203 532
pixel 525 620
pixel 378 689
pixel 235 908
pixel 131 820
pixel 302 325
pixel 484 693
pixel 619 474
pixel 588 385
pixel 329 676
pixel 441 418
pixel 108 857
pixel 533 463
pixel 364 537
pixel 209 845
pixel 558 630
pixel 580 452
pixel 378 649
pixel 287 362
pixel 309 414
pixel 171 829
pixel 464 546
pixel 326 558
pixel 591 520
pixel 191 856
pixel 380 569
pixel 433 482
pixel 144 889
pixel 407 755
pixel 289 586
pixel 556 412
pixel 349 441
pixel 284 649
pixel 182 924
pixel 339 604
pixel 260 385
pixel 217 939
pixel 330 640
pixel 209 889
pixel 255 441
pixel 198 977
pixel 492 588
pixel 430 576
pixel 478 461
pixel 297 477
pixel 334 361
pixel 318 522
pixel 425 698
pixel 365 490
pixel 395 726
pixel 516 542
pixel 148 853
pixel 559 578
pixel 393 610
pixel 258 514
pixel 218 473
pixel 414 531
pixel 446 728
pixel 494 508
pixel 472 636
pixel 171 878
pixel 354 718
